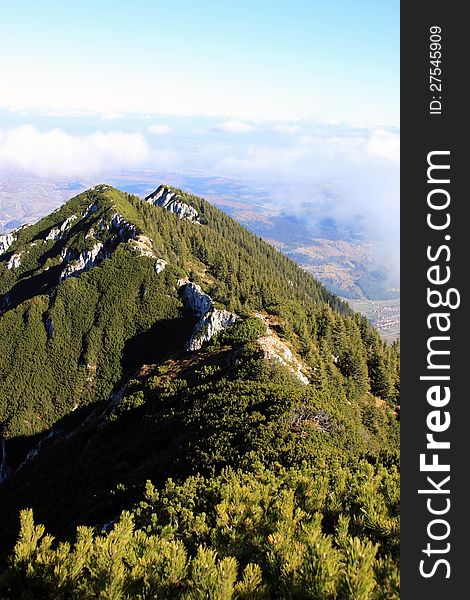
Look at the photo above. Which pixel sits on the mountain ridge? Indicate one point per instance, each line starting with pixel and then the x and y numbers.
pixel 91 233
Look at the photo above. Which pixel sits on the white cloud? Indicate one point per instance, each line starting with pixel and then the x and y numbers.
pixel 61 113
pixel 307 156
pixel 234 127
pixel 56 153
pixel 160 129
pixel 284 128
pixel 111 116
pixel 384 144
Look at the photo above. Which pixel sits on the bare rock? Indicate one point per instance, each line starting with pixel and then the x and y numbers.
pixel 172 202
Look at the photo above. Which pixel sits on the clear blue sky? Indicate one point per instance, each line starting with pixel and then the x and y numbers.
pixel 336 59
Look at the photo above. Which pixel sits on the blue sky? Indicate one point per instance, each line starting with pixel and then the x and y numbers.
pixel 297 96
pixel 304 59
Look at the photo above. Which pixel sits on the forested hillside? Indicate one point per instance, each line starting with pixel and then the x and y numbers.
pixel 140 343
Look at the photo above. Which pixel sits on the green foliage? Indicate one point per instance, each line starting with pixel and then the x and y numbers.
pixel 245 331
pixel 358 582
pixel 271 533
pixel 129 403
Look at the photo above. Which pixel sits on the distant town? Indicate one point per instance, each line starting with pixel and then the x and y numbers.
pixel 384 314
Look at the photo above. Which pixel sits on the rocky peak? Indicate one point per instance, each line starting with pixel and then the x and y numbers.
pixel 168 199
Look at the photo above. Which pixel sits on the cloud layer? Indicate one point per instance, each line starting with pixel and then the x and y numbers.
pixel 56 153
pixel 160 129
pixel 234 127
pixel 352 177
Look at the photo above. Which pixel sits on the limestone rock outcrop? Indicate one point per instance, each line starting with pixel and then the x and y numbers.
pixel 84 262
pixel 5 242
pixel 172 202
pixel 211 320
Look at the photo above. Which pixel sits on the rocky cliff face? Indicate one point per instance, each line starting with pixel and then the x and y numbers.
pixel 122 232
pixel 5 242
pixel 144 247
pixel 172 202
pixel 125 230
pixel 210 324
pixel 84 262
pixel 194 298
pixel 160 265
pixel 56 233
pixel 211 320
pixel 275 349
